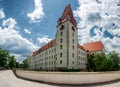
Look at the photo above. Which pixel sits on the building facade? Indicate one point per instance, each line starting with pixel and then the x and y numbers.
pixel 64 52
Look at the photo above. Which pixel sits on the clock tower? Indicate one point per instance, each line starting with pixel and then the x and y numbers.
pixel 66 41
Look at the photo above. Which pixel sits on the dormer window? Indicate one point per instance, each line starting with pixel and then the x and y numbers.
pixel 73 28
pixel 62 27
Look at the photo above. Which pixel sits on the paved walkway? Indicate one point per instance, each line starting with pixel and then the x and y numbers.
pixel 7 79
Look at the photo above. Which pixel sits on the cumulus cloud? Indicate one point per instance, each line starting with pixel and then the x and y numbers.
pixel 9 23
pixel 2 14
pixel 27 31
pixel 99 20
pixel 43 40
pixel 11 40
pixel 38 13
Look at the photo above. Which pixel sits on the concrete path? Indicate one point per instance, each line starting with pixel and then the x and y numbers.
pixel 7 79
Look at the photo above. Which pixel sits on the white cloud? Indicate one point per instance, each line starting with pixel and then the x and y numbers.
pixel 84 35
pixel 112 44
pixel 115 32
pixel 101 13
pixel 11 40
pixel 38 13
pixel 105 14
pixel 42 41
pixel 9 23
pixel 27 31
pixel 2 14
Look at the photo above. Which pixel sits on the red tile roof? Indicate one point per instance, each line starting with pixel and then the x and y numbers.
pixel 45 47
pixel 68 11
pixel 30 55
pixel 93 46
pixel 81 47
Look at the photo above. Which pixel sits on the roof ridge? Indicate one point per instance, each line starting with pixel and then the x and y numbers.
pixel 46 46
pixel 92 42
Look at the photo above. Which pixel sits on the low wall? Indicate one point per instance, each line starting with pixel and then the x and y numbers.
pixel 69 77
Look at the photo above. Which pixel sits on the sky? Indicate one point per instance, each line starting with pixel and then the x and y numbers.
pixel 27 25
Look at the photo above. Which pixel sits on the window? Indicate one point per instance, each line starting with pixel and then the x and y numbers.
pixel 73 55
pixel 60 46
pixel 73 34
pixel 61 40
pixel 49 51
pixel 46 53
pixel 73 47
pixel 73 28
pixel 60 54
pixel 73 62
pixel 62 27
pixel 49 63
pixel 52 57
pixel 73 41
pixel 61 33
pixel 60 61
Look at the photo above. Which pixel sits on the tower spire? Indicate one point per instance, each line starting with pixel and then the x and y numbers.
pixel 68 12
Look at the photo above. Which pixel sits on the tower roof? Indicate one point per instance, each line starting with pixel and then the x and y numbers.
pixel 68 12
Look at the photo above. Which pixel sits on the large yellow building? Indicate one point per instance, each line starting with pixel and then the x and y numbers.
pixel 64 52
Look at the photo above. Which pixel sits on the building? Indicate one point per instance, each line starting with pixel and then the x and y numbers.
pixel 64 52
pixel 94 47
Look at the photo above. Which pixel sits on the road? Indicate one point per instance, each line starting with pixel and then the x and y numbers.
pixel 8 79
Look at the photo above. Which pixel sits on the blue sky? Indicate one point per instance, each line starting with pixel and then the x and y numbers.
pixel 26 25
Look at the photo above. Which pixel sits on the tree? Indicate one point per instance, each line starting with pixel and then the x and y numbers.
pixel 6 60
pixel 108 65
pixel 90 63
pixel 99 62
pixel 114 59
pixel 12 62
pixel 3 57
pixel 17 65
pixel 25 63
pixel 102 62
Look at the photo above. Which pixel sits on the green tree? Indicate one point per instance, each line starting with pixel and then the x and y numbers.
pixel 25 63
pixel 113 56
pixel 4 54
pixel 17 65
pixel 102 62
pixel 90 63
pixel 12 62
pixel 99 62
pixel 108 65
